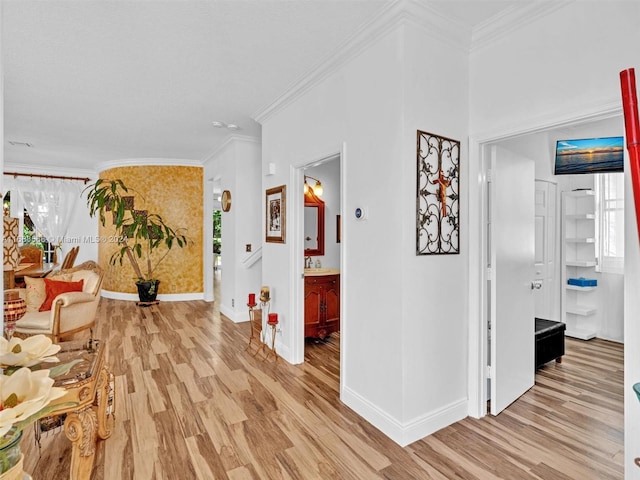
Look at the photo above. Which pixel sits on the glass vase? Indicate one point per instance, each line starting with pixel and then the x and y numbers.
pixel 11 456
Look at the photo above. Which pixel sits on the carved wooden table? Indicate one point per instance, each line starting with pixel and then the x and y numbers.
pixel 90 387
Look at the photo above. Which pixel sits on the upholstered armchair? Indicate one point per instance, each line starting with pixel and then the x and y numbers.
pixel 73 296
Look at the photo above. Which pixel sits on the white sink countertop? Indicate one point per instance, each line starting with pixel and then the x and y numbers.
pixel 316 272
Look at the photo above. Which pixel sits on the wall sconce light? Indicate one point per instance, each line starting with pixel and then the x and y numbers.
pixel 316 189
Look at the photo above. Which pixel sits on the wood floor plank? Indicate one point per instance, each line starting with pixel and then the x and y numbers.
pixel 157 399
pixel 192 402
pixel 172 446
pixel 347 460
pixel 118 446
pixel 122 399
pixel 205 461
pixel 219 437
pixel 143 427
pixel 242 473
pixel 180 400
pixel 201 367
pixel 455 465
pixel 307 454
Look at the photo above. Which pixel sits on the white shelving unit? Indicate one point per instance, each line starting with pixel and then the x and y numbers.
pixel 578 260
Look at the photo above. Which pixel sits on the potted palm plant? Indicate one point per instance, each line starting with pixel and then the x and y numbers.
pixel 138 232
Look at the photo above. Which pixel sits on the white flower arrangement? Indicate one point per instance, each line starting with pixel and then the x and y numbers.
pixel 24 396
pixel 28 352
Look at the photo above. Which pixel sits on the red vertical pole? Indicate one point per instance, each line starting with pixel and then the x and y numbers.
pixel 632 129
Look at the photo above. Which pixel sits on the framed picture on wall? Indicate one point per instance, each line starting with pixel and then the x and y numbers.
pixel 276 219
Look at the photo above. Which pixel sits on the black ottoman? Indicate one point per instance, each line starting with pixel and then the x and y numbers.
pixel 549 341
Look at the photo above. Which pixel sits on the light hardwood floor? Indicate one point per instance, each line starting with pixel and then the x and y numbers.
pixel 193 404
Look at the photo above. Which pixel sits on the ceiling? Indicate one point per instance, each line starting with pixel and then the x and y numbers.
pixel 92 81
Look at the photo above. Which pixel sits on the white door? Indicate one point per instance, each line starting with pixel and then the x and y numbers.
pixel 512 256
pixel 545 264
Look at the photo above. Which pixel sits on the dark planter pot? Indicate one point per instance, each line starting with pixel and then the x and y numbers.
pixel 148 290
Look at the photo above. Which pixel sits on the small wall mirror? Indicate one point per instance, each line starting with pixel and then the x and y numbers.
pixel 313 224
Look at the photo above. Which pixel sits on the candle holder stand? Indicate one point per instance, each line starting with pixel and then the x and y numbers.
pixel 256 321
pixel 274 327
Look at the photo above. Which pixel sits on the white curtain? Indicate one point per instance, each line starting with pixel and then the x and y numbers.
pixel 49 202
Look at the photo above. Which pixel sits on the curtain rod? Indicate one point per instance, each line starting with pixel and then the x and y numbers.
pixel 16 174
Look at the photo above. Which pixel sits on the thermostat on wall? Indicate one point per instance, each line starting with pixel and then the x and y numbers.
pixel 360 213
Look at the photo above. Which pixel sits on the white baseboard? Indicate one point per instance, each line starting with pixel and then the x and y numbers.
pixel 235 317
pixel 165 297
pixel 405 433
pixel 283 351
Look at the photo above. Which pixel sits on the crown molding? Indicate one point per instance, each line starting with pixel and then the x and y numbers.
pixel 392 16
pixel 552 120
pixel 412 12
pixel 228 141
pixel 441 27
pixel 512 19
pixel 143 162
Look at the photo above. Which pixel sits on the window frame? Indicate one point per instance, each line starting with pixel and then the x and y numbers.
pixel 609 204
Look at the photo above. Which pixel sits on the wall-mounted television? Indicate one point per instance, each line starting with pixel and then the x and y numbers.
pixel 589 155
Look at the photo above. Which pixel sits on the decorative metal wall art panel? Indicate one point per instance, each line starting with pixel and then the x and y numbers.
pixel 437 202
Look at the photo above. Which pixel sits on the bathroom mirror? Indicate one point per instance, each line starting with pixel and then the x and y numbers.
pixel 313 224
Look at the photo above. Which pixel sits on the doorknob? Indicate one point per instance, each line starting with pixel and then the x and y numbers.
pixel 536 285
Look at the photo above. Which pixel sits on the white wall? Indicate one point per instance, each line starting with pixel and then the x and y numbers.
pixel 609 298
pixel 536 77
pixel 562 66
pixel 221 166
pixel 434 301
pixel 348 107
pixel 248 226
pixel 236 167
pixel 403 334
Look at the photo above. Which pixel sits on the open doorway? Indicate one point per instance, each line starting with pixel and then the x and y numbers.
pixel 217 240
pixel 216 230
pixel 540 146
pixel 322 257
pixel 546 289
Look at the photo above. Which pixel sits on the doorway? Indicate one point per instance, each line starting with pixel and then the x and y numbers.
pixel 216 240
pixel 321 243
pixel 537 143
pixel 546 283
pixel 322 251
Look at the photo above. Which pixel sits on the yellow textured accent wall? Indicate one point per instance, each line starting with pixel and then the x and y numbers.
pixel 175 193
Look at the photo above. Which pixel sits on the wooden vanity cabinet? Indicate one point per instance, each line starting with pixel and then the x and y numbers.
pixel 321 305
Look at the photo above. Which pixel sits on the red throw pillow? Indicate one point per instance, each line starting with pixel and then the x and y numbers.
pixel 55 288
